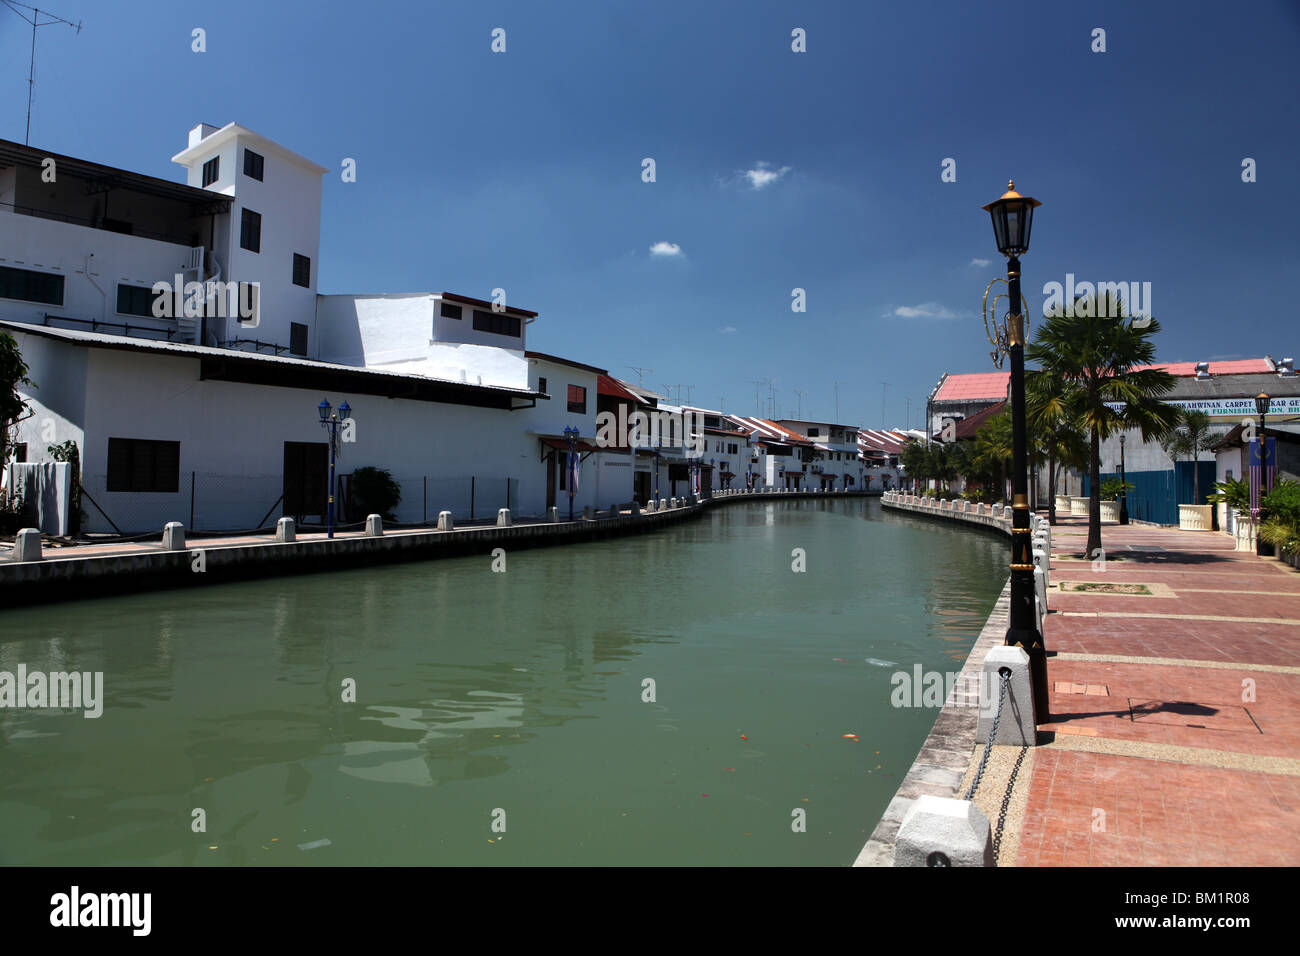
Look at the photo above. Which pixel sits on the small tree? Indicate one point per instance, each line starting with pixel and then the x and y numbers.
pixel 1188 440
pixel 373 491
pixel 13 373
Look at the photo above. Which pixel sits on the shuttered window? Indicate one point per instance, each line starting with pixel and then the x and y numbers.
pixel 138 464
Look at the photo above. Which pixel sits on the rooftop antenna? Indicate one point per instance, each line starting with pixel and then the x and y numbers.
pixel 883 387
pixel 837 400
pixel 35 20
pixel 799 406
pixel 640 372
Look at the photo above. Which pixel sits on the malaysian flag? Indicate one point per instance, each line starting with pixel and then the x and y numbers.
pixel 1261 472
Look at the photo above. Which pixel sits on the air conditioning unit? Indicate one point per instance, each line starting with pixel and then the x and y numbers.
pixel 1202 371
pixel 1286 368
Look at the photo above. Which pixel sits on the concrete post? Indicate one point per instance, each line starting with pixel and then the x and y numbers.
pixel 636 508
pixel 173 538
pixel 27 545
pixel 374 526
pixel 285 530
pixel 447 523
pixel 939 831
pixel 1018 726
pixel 553 513
pixel 1040 559
pixel 503 517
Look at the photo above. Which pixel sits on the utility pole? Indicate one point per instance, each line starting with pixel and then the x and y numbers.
pixel 907 424
pixel 799 408
pixel 35 21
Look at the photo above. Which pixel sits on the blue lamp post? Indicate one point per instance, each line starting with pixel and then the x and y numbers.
pixel 571 435
pixel 331 421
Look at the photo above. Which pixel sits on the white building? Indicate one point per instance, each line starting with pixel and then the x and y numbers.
pixel 835 464
pixel 207 416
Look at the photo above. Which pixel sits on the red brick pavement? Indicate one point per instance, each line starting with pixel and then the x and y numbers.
pixel 1121 794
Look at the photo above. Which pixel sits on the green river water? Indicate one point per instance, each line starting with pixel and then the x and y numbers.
pixel 499 717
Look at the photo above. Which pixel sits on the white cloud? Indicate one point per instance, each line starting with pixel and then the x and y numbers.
pixel 763 175
pixel 662 248
pixel 981 262
pixel 926 310
pixel 727 329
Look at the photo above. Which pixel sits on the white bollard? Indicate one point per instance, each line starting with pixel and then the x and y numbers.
pixel 173 538
pixel 374 526
pixel 940 831
pixel 447 523
pixel 27 545
pixel 503 517
pixel 285 530
pixel 1018 726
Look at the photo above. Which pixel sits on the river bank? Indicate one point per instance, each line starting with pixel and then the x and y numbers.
pixel 93 570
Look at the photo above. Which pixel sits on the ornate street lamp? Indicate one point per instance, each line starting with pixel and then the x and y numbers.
pixel 1123 486
pixel 1012 216
pixel 332 421
pixel 571 436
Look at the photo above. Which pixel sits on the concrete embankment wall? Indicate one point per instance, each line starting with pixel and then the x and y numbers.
pixel 59 578
pixel 944 757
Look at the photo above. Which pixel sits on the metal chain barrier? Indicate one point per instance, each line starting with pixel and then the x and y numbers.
pixel 1006 802
pixel 1004 675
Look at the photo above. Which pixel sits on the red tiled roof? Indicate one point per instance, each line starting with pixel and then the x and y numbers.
pixel 875 441
pixel 967 427
pixel 766 430
pixel 973 387
pixel 608 385
pixel 1233 367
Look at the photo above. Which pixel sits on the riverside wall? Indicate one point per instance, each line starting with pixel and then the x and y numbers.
pixel 63 574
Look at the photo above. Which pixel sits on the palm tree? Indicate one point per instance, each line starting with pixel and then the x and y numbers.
pixel 1108 359
pixel 994 447
pixel 1052 411
pixel 1188 440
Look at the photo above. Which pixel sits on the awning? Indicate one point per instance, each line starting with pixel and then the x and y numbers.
pixel 586 449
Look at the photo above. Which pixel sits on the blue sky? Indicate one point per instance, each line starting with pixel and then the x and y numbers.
pixel 522 170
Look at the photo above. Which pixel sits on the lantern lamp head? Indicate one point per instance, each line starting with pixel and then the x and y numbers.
pixel 1012 215
pixel 345 410
pixel 324 409
pixel 1262 403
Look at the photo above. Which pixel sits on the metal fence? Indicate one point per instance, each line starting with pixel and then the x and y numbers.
pixel 208 502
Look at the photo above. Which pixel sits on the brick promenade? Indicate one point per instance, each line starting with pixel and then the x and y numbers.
pixel 1175 729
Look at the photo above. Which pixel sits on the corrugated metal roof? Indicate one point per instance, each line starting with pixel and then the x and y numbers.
pixel 128 343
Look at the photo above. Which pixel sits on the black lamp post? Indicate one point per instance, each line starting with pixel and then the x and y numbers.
pixel 1012 216
pixel 1262 403
pixel 331 421
pixel 1123 487
pixel 571 435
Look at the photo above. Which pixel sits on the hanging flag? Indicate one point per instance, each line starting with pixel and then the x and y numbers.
pixel 1261 472
pixel 575 467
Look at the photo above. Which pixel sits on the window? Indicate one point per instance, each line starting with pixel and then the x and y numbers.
pixel 20 452
pixel 297 338
pixel 301 271
pixel 497 322
pixel 578 399
pixel 814 432
pixel 31 286
pixel 450 311
pixel 541 386
pixel 136 464
pixel 731 449
pixel 250 231
pixel 253 163
pixel 212 170
pixel 135 300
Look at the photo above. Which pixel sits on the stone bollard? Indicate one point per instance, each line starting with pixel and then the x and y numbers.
pixel 614 511
pixel 285 530
pixel 636 508
pixel 1040 588
pixel 1044 565
pixel 447 523
pixel 979 508
pixel 173 538
pixel 374 526
pixel 940 831
pixel 1017 727
pixel 588 513
pixel 503 517
pixel 27 545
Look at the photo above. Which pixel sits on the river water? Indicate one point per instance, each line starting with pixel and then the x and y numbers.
pixel 502 717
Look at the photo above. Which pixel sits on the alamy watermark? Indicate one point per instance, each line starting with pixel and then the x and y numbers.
pixel 1100 299
pixel 657 429
pixel 55 690
pixel 213 298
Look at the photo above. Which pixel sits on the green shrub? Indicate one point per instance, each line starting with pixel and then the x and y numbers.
pixel 373 491
pixel 1112 488
pixel 1234 492
pixel 1283 502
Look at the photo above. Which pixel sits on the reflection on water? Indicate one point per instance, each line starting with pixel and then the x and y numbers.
pixel 522 692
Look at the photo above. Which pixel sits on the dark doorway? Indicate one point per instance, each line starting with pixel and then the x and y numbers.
pixel 306 477
pixel 641 489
